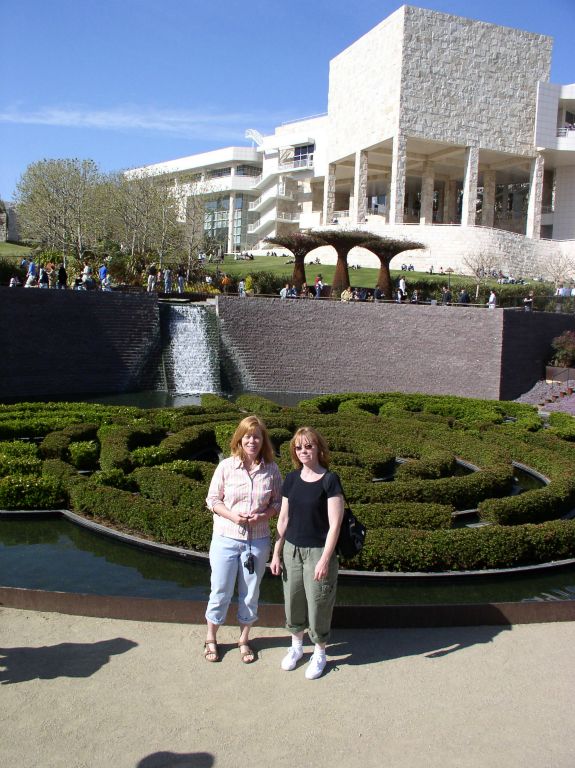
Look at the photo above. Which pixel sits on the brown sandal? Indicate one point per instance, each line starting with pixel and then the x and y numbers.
pixel 211 651
pixel 247 653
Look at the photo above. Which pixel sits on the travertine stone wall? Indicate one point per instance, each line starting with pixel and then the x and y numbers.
pixel 316 346
pixel 564 218
pixel 61 343
pixel 364 89
pixel 452 246
pixel 467 82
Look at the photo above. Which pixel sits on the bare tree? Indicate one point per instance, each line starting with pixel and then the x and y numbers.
pixel 481 265
pixel 558 267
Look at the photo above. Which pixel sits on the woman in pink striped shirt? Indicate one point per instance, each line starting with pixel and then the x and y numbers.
pixel 244 493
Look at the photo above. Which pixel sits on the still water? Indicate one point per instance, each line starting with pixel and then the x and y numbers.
pixel 56 555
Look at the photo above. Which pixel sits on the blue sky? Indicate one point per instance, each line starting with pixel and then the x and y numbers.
pixel 132 82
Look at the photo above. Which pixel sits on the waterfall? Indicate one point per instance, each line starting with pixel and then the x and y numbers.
pixel 191 354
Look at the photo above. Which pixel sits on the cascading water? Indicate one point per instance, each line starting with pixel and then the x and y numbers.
pixel 191 354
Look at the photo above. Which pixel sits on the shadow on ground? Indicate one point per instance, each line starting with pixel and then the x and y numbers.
pixel 63 660
pixel 175 760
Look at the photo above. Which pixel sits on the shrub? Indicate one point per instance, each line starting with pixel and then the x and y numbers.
pixel 564 349
pixel 84 454
pixel 27 492
pixel 408 520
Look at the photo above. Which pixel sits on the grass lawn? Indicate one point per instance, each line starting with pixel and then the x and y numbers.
pixel 364 277
pixel 11 251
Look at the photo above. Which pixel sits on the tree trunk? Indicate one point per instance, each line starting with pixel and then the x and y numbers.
pixel 341 276
pixel 298 276
pixel 384 277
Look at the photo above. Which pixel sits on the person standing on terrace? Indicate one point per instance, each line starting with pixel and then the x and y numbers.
pixel 244 493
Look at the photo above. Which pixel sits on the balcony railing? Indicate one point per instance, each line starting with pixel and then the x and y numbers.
pixel 275 192
pixel 566 131
pixel 298 162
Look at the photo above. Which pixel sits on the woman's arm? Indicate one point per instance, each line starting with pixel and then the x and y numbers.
pixel 335 516
pixel 216 495
pixel 279 545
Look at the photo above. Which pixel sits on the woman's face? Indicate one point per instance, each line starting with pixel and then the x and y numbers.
pixel 306 450
pixel 252 443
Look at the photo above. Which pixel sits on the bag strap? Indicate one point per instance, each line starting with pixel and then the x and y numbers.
pixel 324 486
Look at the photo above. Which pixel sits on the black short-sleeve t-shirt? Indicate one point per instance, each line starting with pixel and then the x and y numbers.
pixel 308 522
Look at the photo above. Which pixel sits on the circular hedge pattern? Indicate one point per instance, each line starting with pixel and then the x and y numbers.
pixel 147 471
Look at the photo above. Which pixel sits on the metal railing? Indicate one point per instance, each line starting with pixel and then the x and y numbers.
pixel 299 162
pixel 274 192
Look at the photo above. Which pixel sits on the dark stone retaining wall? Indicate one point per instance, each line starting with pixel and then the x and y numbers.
pixel 58 343
pixel 319 347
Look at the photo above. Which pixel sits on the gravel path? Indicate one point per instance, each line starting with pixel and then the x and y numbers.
pixel 539 393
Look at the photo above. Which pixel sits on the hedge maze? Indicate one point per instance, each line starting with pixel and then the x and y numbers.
pixel 147 471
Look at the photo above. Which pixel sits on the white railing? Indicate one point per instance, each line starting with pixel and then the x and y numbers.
pixel 300 162
pixel 278 216
pixel 562 132
pixel 274 192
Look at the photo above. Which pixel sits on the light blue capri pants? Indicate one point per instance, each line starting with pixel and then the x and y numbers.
pixel 227 557
pixel 308 603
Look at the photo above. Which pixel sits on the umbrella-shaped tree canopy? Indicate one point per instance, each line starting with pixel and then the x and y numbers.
pixel 343 242
pixel 385 248
pixel 300 244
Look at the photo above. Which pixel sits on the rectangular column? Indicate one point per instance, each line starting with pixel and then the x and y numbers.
pixel 533 229
pixel 359 212
pixel 441 202
pixel 469 207
pixel 450 202
pixel 329 194
pixel 398 176
pixel 231 212
pixel 427 183
pixel 488 207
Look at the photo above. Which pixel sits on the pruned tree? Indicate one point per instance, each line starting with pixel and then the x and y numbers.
pixel 343 242
pixel 300 244
pixel 386 248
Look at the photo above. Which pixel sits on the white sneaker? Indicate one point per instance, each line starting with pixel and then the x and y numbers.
pixel 316 666
pixel 291 658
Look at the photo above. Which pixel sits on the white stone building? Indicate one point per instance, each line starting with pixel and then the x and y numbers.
pixel 439 128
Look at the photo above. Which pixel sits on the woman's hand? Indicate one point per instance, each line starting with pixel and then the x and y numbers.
pixel 321 569
pixel 276 564
pixel 255 517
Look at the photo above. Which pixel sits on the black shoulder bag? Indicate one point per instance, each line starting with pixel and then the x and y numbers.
pixel 352 532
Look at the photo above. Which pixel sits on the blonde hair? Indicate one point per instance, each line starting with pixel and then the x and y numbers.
pixel 248 426
pixel 312 436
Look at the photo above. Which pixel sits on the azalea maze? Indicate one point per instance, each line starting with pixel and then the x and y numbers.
pixel 432 477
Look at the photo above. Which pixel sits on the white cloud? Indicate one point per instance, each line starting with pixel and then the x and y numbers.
pixel 186 124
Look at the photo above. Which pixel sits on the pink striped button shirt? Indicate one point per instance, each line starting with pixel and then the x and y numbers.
pixel 245 494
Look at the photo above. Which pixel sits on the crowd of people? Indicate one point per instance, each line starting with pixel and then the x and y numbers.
pixel 245 493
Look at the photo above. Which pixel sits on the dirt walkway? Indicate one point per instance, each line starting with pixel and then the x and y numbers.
pixel 85 692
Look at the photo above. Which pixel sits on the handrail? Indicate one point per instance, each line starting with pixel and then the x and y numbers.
pixel 300 162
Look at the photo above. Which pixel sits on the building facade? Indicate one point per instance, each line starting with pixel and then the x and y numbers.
pixel 439 129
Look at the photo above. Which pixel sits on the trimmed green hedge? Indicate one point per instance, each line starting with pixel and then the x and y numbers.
pixel 150 474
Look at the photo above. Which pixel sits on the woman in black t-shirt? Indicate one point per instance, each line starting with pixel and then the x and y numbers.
pixel 304 553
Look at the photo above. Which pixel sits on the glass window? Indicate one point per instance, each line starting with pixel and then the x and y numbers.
pixel 303 152
pixel 248 170
pixel 218 173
